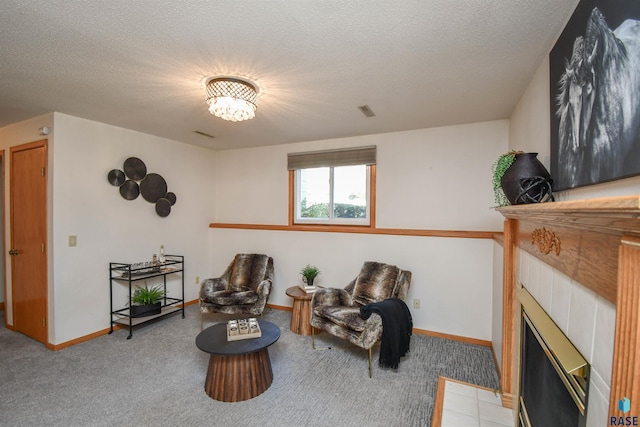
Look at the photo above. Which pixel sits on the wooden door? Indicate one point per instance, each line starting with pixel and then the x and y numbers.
pixel 28 194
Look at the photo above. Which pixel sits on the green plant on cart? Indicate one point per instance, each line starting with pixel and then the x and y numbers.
pixel 148 295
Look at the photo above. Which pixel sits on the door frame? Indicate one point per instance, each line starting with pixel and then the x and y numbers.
pixel 3 244
pixel 22 147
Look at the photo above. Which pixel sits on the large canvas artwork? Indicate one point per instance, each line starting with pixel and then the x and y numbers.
pixel 595 95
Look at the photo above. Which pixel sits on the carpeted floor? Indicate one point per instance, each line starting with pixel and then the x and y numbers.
pixel 157 378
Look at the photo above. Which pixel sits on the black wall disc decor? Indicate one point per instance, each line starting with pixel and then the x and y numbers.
pixel 135 181
pixel 116 177
pixel 163 207
pixel 129 190
pixel 171 198
pixel 153 187
pixel 135 168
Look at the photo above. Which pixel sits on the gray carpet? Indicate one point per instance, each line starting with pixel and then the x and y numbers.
pixel 157 378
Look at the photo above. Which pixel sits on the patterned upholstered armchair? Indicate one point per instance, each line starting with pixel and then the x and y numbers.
pixel 337 311
pixel 243 288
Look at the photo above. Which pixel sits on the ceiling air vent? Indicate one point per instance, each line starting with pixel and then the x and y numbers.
pixel 204 134
pixel 366 110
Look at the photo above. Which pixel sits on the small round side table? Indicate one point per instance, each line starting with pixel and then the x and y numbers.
pixel 301 313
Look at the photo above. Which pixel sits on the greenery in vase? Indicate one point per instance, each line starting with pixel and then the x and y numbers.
pixel 309 273
pixel 498 169
pixel 148 295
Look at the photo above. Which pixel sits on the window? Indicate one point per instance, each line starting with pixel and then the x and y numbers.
pixel 333 187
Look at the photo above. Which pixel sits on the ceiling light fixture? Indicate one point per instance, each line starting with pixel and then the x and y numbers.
pixel 231 99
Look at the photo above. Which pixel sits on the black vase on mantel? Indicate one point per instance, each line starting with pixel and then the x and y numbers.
pixel 527 181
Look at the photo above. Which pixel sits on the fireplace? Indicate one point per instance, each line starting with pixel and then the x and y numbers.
pixel 592 248
pixel 554 377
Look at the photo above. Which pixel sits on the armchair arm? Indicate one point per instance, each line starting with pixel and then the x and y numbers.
pixel 402 284
pixel 331 296
pixel 372 332
pixel 350 286
pixel 264 288
pixel 212 285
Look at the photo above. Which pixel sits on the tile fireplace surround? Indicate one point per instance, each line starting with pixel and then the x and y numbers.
pixel 581 261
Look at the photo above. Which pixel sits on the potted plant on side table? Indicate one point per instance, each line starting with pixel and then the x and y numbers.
pixel 309 273
pixel 145 301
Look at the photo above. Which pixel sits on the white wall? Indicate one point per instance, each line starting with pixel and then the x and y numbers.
pixel 453 300
pixel 426 179
pixel 437 178
pixel 108 227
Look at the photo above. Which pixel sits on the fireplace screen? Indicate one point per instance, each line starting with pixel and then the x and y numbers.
pixel 553 374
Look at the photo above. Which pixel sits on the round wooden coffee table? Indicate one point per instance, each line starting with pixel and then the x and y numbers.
pixel 301 312
pixel 238 370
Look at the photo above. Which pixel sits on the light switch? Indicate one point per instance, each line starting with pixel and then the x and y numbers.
pixel 72 241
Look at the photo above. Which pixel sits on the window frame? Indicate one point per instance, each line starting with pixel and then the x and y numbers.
pixel 343 223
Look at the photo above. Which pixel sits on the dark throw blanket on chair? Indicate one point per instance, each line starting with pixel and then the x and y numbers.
pixel 397 325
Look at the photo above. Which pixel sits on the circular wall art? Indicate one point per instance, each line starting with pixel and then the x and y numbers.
pixel 153 187
pixel 135 168
pixel 163 207
pixel 171 198
pixel 116 177
pixel 129 190
pixel 135 180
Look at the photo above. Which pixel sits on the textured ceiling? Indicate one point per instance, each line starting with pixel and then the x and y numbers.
pixel 141 64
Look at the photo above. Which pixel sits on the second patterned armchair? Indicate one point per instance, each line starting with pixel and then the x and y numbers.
pixel 337 311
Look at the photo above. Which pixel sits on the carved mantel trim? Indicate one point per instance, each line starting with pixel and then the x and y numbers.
pixel 596 242
pixel 546 241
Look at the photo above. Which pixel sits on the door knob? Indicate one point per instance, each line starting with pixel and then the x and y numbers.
pixel 13 252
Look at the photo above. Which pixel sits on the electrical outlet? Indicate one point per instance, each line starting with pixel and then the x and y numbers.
pixel 416 303
pixel 197 280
